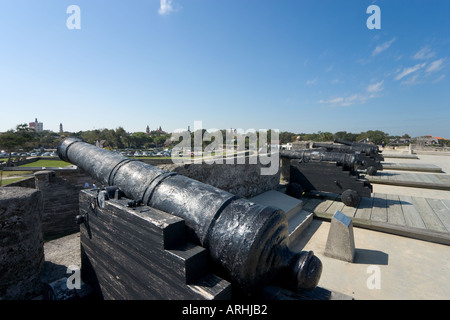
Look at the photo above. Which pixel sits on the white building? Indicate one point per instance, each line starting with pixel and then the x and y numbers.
pixel 38 126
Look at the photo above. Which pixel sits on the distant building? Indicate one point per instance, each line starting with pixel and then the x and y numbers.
pixel 37 126
pixel 427 140
pixel 61 128
pixel 287 146
pixel 399 141
pixel 160 130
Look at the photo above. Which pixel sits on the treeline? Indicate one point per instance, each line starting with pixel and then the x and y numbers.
pixel 121 139
pixel 24 137
pixel 375 136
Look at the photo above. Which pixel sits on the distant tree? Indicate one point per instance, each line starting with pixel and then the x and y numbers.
pixel 141 139
pixel 14 140
pixel 286 137
pixel 160 140
pixel 374 136
pixel 46 139
pixel 326 136
pixel 311 136
pixel 346 136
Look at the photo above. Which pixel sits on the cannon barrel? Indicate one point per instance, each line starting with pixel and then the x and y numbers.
pixel 348 160
pixel 347 143
pixel 330 147
pixel 367 153
pixel 359 146
pixel 247 241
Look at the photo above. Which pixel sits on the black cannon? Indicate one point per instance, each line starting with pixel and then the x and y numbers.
pixel 361 147
pixel 246 241
pixel 347 160
pixel 316 169
pixel 369 154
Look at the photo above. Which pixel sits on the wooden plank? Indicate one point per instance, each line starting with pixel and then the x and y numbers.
pixel 386 176
pixel 432 222
pixel 379 211
pixel 128 251
pixel 410 232
pixel 415 180
pixel 349 211
pixel 337 205
pixel 439 178
pixel 323 206
pixel 412 216
pixel 364 209
pixel 412 167
pixel 324 177
pixel 393 176
pixel 394 210
pixel 427 178
pixel 444 178
pixel 434 178
pixel 441 211
pixel 409 177
pixel 400 156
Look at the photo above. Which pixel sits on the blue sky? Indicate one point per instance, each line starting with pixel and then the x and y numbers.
pixel 292 65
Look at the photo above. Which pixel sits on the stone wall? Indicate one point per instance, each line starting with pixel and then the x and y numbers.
pixel 244 180
pixel 26 183
pixel 60 191
pixel 21 243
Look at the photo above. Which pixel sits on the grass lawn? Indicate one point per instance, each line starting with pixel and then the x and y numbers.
pixel 47 163
pixel 12 180
pixel 13 176
pixel 7 174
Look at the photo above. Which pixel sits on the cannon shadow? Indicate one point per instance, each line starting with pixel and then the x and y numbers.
pixel 368 256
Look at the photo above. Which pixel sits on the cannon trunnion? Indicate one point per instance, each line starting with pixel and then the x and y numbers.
pixel 246 243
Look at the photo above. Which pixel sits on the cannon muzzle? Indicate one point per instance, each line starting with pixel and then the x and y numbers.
pixel 248 241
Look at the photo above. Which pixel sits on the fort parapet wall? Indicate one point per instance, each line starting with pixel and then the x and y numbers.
pixel 60 192
pixel 60 188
